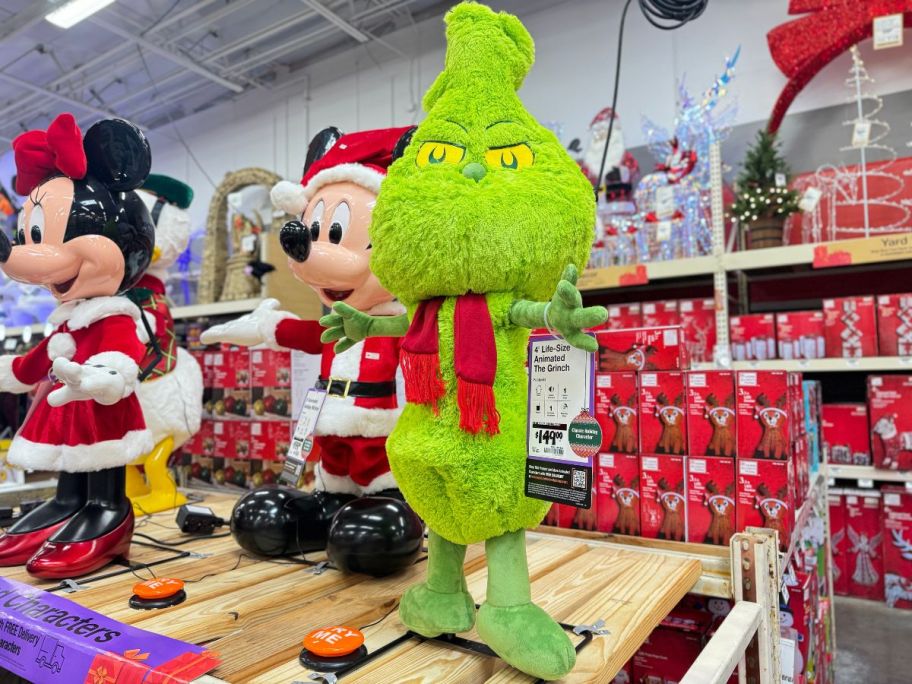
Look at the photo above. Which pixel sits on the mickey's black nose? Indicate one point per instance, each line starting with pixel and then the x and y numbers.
pixel 295 240
pixel 5 248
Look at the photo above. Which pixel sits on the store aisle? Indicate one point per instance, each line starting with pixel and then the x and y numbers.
pixel 872 643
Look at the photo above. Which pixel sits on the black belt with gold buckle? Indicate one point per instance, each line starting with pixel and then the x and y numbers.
pixel 338 387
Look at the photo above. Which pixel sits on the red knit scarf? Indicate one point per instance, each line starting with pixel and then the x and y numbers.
pixel 474 360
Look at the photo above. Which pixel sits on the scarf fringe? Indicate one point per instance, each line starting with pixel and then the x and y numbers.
pixel 477 407
pixel 423 384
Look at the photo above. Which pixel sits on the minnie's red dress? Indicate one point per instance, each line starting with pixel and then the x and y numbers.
pixel 81 435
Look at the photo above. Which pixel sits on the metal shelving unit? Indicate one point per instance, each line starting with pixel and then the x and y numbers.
pixel 854 472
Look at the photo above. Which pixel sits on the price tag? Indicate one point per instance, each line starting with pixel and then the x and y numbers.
pixel 665 201
pixel 248 243
pixel 562 435
pixel 302 440
pixel 888 31
pixel 861 133
pixel 663 231
pixel 810 199
pixel 866 484
pixel 781 180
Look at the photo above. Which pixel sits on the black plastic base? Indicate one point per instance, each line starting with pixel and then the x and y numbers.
pixel 156 604
pixel 321 664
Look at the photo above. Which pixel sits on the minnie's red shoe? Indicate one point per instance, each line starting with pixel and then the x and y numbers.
pixel 16 549
pixel 62 560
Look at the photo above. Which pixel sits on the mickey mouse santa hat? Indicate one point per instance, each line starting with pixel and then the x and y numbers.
pixel 361 158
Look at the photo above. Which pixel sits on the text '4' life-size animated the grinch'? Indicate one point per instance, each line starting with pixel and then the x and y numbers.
pixel 473 228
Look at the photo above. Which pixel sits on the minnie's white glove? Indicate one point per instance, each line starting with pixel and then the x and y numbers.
pixel 92 381
pixel 257 327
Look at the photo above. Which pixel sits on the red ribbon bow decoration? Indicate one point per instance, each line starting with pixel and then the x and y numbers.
pixel 803 46
pixel 42 154
pixel 679 162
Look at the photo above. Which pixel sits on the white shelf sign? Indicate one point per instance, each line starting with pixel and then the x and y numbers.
pixel 888 31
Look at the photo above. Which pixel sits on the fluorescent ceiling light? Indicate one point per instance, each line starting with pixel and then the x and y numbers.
pixel 72 12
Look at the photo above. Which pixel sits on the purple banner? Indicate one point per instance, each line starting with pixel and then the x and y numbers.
pixel 47 638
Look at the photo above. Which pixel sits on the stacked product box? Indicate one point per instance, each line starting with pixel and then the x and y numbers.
pixel 753 337
pixel 712 439
pixel 838 541
pixel 659 314
pixel 641 349
pixel 897 547
pixel 846 436
pixel 800 335
pixel 864 549
pixel 850 327
pixel 622 316
pixel 894 324
pixel 812 396
pixel 270 380
pixel 889 398
pixel 698 322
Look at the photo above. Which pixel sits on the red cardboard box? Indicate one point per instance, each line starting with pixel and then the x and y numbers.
pixel 230 383
pixel 616 411
pixel 710 500
pixel 638 349
pixel 663 413
pixel 763 424
pixel 269 440
pixel 270 380
pixel 764 497
pixel 622 316
pixel 838 541
pixel 232 439
pixel 864 532
pixel 658 314
pixel 846 436
pixel 711 429
pixel 618 504
pixel 663 497
pixel 666 655
pixel 752 337
pixel 698 320
pixel 894 324
pixel 851 327
pixel 889 400
pixel 897 547
pixel 801 613
pixel 800 335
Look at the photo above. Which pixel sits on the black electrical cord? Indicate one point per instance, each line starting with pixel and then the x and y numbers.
pixel 666 15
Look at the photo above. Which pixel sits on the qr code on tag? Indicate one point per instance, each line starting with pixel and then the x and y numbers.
pixel 579 479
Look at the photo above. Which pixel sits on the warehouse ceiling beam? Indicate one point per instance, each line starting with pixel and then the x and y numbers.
pixel 73 102
pixel 338 21
pixel 33 13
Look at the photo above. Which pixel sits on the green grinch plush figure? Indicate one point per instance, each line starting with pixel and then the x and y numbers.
pixel 478 229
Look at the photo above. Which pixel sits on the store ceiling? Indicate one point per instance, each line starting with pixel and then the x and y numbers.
pixel 155 61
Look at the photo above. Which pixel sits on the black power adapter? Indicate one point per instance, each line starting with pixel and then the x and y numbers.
pixel 193 519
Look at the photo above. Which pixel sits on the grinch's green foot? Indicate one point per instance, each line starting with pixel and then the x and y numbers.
pixel 528 639
pixel 432 613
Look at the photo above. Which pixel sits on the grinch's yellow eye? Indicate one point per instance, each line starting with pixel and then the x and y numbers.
pixel 439 153
pixel 512 157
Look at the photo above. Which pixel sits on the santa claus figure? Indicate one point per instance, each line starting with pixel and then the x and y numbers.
pixel 171 394
pixel 329 250
pixel 621 169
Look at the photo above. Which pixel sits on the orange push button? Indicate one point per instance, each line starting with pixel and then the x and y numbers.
pixel 160 588
pixel 333 642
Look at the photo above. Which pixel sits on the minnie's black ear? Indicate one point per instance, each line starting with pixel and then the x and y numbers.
pixel 118 154
pixel 321 143
pixel 403 142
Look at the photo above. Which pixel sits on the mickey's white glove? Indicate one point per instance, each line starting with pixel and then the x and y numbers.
pixel 257 327
pixel 92 381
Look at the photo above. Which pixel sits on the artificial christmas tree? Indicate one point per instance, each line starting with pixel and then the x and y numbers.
pixel 764 200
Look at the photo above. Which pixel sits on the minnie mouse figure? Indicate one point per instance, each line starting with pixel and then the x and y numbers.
pixel 85 236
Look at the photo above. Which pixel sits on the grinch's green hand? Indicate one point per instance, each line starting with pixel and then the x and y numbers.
pixel 349 326
pixel 564 314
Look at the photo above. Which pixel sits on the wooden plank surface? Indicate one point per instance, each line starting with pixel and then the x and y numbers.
pixel 254 612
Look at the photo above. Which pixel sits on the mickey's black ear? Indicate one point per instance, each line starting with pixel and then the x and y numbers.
pixel 321 143
pixel 118 154
pixel 403 142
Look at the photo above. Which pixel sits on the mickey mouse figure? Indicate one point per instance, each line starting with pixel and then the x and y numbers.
pixel 85 236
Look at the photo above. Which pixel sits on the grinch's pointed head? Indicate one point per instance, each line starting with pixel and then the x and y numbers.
pixel 484 198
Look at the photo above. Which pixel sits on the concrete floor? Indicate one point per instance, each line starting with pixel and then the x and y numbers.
pixel 873 643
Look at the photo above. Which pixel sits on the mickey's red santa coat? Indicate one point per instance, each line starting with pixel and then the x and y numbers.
pixel 87 237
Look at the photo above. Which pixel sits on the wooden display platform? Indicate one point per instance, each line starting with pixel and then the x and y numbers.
pixel 254 612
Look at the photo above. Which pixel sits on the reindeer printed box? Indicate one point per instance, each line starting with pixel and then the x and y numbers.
pixel 616 411
pixel 764 497
pixel 850 327
pixel 663 413
pixel 864 547
pixel 889 399
pixel 698 321
pixel 618 493
pixel 838 542
pixel 763 421
pixel 711 429
pixel 799 335
pixel 621 316
pixel 752 337
pixel 710 500
pixel 897 547
pixel 894 324
pixel 658 314
pixel 639 349
pixel 663 497
pixel 846 437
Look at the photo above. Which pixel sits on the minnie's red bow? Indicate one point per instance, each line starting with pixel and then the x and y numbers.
pixel 803 46
pixel 42 154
